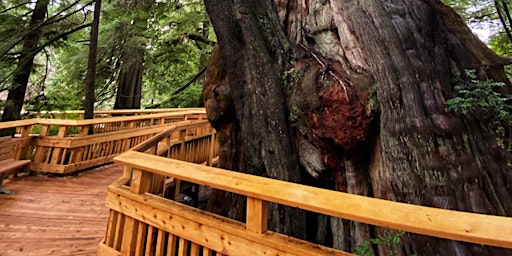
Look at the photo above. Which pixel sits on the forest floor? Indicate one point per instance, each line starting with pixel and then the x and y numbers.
pixel 56 215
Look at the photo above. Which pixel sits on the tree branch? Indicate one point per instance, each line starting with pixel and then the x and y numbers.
pixel 45 23
pixel 189 82
pixel 201 38
pixel 60 36
pixel 182 88
pixel 16 6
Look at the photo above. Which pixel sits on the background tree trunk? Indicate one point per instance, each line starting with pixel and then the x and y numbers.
pixel 90 80
pixel 16 96
pixel 366 100
pixel 129 84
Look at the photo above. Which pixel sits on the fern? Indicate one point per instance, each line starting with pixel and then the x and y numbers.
pixel 483 97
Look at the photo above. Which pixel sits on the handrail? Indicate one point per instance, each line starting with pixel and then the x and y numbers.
pixel 154 140
pixel 456 225
pixel 47 121
pixel 63 146
pixel 67 128
pixel 106 113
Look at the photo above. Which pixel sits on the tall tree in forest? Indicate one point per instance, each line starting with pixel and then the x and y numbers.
pixel 90 80
pixel 24 70
pixel 16 95
pixel 129 83
pixel 362 100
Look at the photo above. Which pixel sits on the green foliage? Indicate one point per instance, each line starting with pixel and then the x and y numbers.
pixel 483 97
pixel 501 45
pixel 171 57
pixel 389 239
pixel 64 23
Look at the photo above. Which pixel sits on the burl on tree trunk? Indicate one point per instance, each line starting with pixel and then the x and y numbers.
pixel 362 101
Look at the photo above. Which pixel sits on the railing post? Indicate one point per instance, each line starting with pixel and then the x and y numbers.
pixel 127 172
pixel 84 130
pixel 23 147
pixel 257 212
pixel 45 129
pixel 183 149
pixel 209 162
pixel 141 181
pixel 57 154
pixel 40 151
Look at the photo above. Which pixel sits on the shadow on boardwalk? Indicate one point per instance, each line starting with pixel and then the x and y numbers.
pixel 56 215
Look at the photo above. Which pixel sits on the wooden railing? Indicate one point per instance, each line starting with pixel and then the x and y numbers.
pixel 63 146
pixel 68 128
pixel 101 113
pixel 191 142
pixel 142 222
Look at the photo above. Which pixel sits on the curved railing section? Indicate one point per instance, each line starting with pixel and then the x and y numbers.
pixel 143 222
pixel 79 114
pixel 64 146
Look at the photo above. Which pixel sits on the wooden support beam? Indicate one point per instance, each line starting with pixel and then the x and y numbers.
pixel 257 215
pixel 141 181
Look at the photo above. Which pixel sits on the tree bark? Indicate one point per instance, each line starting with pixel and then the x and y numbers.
pixel 366 101
pixel 129 86
pixel 90 80
pixel 16 96
pixel 257 137
pixel 129 90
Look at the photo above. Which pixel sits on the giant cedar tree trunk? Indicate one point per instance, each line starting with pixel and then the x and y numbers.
pixel 253 48
pixel 366 102
pixel 16 96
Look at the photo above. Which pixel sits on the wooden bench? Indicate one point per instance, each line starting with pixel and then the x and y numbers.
pixel 8 164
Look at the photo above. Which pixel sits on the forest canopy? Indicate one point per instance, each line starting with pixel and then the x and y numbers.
pixel 176 39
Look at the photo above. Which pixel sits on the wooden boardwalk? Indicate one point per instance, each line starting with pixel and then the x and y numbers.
pixel 56 215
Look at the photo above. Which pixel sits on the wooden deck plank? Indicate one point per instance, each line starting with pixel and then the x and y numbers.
pixel 56 215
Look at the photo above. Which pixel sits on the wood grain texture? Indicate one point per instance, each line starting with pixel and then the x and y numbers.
pixel 462 226
pixel 206 229
pixel 56 215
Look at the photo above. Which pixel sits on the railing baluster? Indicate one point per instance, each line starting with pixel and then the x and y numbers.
pixel 207 252
pixel 183 247
pixel 160 243
pixel 149 241
pixel 111 228
pixel 257 211
pixel 118 235
pixel 141 238
pixel 129 236
pixel 171 245
pixel 194 249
